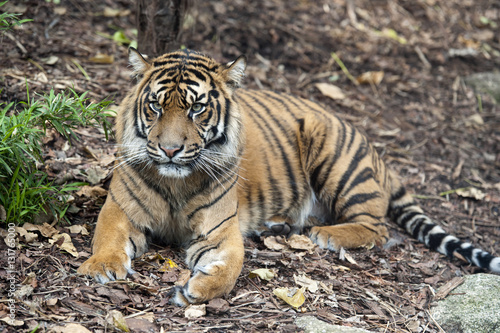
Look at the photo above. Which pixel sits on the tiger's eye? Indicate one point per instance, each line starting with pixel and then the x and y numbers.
pixel 197 107
pixel 155 106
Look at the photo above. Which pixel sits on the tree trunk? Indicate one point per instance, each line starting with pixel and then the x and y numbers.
pixel 159 25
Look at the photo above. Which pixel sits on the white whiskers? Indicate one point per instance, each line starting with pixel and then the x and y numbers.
pixel 131 155
pixel 219 166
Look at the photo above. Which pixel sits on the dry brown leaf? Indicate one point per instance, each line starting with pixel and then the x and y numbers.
pixel 30 279
pixel 66 244
pixel 106 160
pixel 330 90
pixel 60 10
pixel 471 192
pixel 306 282
pixel 300 242
pixel 262 273
pixel 45 229
pixel 78 229
pixel 475 119
pixel 23 291
pixel 51 301
pixel 51 60
pixel 272 243
pixel 96 174
pixel 117 319
pixel 195 311
pixel 92 192
pixel 13 322
pixel 371 78
pixel 217 306
pixel 29 237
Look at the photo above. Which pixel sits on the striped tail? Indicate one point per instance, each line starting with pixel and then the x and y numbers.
pixel 409 216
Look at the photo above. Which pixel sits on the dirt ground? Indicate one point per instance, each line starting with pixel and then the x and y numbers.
pixel 435 131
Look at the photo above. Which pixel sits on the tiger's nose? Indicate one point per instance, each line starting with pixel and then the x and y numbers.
pixel 171 151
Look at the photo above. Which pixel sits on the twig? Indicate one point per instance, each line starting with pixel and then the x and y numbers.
pixel 262 293
pixel 422 57
pixel 344 68
pixel 18 44
pixel 81 69
pixel 435 322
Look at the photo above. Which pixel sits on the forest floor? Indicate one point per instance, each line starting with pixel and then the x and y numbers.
pixel 436 132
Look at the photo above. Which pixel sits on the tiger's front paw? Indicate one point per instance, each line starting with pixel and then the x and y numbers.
pixel 107 267
pixel 208 282
pixel 180 297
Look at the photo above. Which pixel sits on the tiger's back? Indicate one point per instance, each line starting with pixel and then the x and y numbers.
pixel 203 163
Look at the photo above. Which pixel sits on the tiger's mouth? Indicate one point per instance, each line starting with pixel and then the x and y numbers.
pixel 172 169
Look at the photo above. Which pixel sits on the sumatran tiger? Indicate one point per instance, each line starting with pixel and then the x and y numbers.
pixel 202 163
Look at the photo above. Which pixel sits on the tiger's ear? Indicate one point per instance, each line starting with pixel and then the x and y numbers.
pixel 137 61
pixel 235 71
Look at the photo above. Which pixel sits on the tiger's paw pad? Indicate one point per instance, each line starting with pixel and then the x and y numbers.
pixel 276 229
pixel 107 268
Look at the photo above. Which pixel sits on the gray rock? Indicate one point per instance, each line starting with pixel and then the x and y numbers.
pixel 312 324
pixel 485 83
pixel 473 307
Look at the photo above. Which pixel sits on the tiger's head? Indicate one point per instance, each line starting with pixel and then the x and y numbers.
pixel 181 116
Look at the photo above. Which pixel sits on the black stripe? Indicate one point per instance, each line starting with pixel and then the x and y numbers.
pixel 116 201
pixel 401 192
pixel 467 253
pixel 300 109
pixel 425 231
pixel 484 259
pixel 283 102
pixel 223 137
pixel 338 150
pixel 190 215
pixel 417 226
pixel 367 227
pixel 203 252
pixel 315 174
pixel 134 246
pixel 136 199
pixel 435 240
pixel 360 154
pixel 264 125
pixel 194 92
pixel 365 175
pixel 351 218
pixel 222 222
pixel 250 201
pixel 452 246
pixel 403 220
pixel 277 196
pixel 139 130
pixel 351 139
pixel 358 199
pixel 198 74
pixel 191 82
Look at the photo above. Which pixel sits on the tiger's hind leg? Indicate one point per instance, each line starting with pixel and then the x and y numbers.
pixel 349 179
